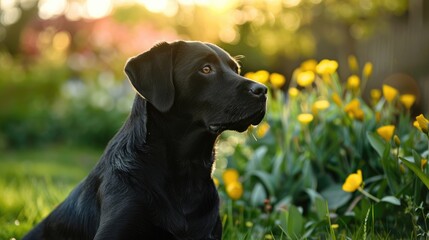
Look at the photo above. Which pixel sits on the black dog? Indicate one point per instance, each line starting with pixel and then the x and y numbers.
pixel 154 178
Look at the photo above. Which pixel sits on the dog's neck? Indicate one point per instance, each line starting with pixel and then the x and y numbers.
pixel 182 141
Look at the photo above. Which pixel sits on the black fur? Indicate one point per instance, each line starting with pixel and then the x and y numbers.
pixel 154 178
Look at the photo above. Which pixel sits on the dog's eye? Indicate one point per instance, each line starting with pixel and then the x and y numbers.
pixel 206 69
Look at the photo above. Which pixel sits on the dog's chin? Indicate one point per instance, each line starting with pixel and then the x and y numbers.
pixel 240 125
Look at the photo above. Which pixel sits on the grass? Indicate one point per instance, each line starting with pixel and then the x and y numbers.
pixel 33 182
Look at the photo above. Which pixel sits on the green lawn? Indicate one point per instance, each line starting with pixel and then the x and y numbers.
pixel 33 182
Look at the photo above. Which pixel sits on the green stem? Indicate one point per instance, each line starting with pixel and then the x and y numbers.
pixel 367 194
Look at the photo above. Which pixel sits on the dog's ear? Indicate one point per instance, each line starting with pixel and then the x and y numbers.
pixel 151 74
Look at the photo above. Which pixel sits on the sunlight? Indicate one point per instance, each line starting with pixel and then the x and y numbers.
pixel 98 9
pixel 51 8
pixel 10 12
pixel 94 9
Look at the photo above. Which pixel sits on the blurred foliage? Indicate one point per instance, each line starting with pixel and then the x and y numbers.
pixel 41 106
pixel 47 47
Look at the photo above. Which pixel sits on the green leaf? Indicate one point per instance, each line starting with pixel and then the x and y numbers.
pixel 295 222
pixel 335 196
pixel 376 142
pixel 390 170
pixel 258 195
pixel 420 174
pixel 321 208
pixel 256 160
pixel 266 179
pixel 391 199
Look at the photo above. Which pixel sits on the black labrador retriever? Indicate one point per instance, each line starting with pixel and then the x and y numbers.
pixel 154 178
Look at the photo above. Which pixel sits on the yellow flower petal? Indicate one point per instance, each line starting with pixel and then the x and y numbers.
pixel 353 110
pixel 353 63
pixel 293 92
pixel 417 125
pixel 353 182
pixel 407 100
pixel 353 82
pixel 234 190
pixel 389 93
pixel 326 66
pixel 358 114
pixel 259 76
pixel 375 95
pixel 337 99
pixel 321 104
pixel 309 65
pixel 277 80
pixel 305 118
pixel 367 69
pixel 262 129
pixel 423 123
pixel 305 78
pixel 386 132
pixel 423 163
pixel 230 175
pixel 352 106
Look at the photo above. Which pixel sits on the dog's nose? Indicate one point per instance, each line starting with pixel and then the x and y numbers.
pixel 258 89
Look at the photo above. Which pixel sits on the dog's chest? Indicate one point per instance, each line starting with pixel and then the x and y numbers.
pixel 189 195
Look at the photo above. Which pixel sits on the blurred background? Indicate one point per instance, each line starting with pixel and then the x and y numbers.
pixel 61 61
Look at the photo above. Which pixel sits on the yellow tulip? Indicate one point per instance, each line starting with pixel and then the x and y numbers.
pixel 277 80
pixel 389 93
pixel 250 75
pixel 397 140
pixel 305 78
pixel 352 106
pixel 321 104
pixel 423 163
pixel 353 109
pixel 234 190
pixel 375 95
pixel 326 67
pixel 386 132
pixel 407 100
pixel 305 118
pixel 262 129
pixel 230 175
pixel 367 69
pixel 423 123
pixel 353 182
pixel 417 125
pixel 358 114
pixel 259 76
pixel 337 99
pixel 353 63
pixel 309 65
pixel 293 92
pixel 353 82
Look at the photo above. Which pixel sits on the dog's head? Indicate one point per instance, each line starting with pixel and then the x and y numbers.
pixel 200 81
